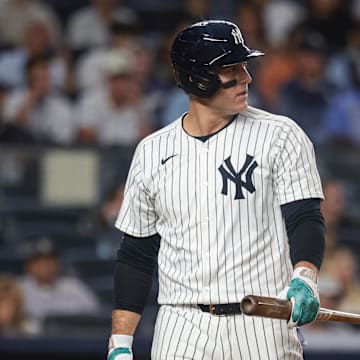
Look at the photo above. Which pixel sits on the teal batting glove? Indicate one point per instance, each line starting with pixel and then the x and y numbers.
pixel 304 295
pixel 120 347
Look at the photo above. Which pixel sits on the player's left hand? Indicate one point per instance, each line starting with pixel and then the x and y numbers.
pixel 120 354
pixel 304 295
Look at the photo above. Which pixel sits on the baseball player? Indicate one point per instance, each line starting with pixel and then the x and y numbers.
pixel 226 199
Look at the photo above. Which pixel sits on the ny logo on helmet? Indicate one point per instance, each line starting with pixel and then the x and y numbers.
pixel 238 39
pixel 228 172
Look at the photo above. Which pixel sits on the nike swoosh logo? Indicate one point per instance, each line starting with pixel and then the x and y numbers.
pixel 163 161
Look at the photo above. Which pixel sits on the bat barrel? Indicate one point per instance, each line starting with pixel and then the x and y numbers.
pixel 266 307
pixel 248 305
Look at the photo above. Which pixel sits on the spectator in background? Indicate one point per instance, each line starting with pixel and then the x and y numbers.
pixel 332 208
pixel 355 8
pixel 47 292
pixel 341 66
pixel 109 209
pixel 330 292
pixel 44 115
pixel 89 67
pixel 17 15
pixel 280 17
pixel 3 92
pixel 13 321
pixel 342 116
pixel 10 133
pixel 337 224
pixel 3 127
pixel 124 35
pixel 118 113
pixel 175 102
pixel 345 270
pixel 197 9
pixel 304 98
pixel 277 69
pixel 331 18
pixel 89 26
pixel 249 16
pixel 36 42
pixel 107 235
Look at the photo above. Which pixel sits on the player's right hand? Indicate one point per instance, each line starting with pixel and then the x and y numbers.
pixel 120 347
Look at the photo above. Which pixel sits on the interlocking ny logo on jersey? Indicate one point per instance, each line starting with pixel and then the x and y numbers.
pixel 228 173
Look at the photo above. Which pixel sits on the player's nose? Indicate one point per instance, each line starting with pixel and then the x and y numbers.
pixel 245 76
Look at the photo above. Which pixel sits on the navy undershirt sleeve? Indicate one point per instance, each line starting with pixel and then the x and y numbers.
pixel 306 231
pixel 135 264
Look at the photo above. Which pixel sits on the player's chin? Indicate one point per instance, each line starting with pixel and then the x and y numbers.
pixel 242 105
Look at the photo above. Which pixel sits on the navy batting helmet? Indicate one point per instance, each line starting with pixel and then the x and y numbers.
pixel 201 48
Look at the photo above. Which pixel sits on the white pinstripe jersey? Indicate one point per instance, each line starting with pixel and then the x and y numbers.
pixel 216 205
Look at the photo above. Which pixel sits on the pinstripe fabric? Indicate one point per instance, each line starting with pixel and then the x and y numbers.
pixel 183 332
pixel 218 243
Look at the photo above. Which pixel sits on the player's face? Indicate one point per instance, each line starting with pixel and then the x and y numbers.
pixel 235 98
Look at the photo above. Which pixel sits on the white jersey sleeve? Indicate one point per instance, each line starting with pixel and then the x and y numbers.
pixel 137 216
pixel 295 172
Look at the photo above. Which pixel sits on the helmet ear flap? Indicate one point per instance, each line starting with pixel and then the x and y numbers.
pixel 196 84
pixel 201 83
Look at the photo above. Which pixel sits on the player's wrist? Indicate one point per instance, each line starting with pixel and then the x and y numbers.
pixel 120 344
pixel 305 272
pixel 118 340
pixel 308 276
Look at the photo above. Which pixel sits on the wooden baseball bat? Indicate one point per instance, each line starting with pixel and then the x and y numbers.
pixel 281 309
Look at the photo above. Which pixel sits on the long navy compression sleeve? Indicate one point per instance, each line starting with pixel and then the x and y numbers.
pixel 136 261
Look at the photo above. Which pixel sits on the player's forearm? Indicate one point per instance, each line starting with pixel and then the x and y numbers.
pixel 124 322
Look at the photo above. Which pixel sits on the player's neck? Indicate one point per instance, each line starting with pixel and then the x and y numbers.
pixel 202 121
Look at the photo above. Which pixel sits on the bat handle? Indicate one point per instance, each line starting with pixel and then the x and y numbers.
pixel 281 309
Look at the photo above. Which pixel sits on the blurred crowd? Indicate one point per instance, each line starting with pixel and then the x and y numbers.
pixel 99 74
pixel 41 292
